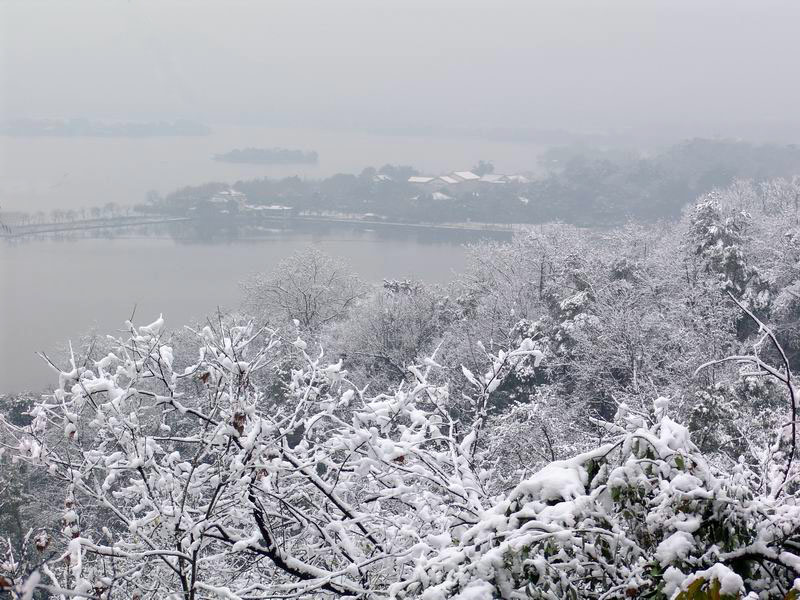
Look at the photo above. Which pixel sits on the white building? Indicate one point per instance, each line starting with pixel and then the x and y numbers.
pixel 226 196
pixel 493 178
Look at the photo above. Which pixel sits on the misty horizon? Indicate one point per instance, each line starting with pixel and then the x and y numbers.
pixel 430 68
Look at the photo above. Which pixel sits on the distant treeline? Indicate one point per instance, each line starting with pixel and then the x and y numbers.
pixel 87 128
pixel 268 156
pixel 582 186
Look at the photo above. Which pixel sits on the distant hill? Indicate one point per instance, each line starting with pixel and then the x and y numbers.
pixel 87 128
pixel 268 156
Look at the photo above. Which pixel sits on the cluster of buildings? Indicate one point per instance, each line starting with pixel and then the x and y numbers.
pixel 460 181
pixel 435 187
pixel 225 197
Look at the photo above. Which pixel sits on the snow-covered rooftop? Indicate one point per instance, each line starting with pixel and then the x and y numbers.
pixel 226 195
pixel 494 178
pixel 268 207
pixel 518 179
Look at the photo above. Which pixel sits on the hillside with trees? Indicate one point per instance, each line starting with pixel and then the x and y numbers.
pixel 602 414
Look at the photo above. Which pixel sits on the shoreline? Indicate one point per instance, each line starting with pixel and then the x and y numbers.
pixel 289 223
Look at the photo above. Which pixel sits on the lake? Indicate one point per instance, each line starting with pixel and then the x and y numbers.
pixel 51 292
pixel 55 291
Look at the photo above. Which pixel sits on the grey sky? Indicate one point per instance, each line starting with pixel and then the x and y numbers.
pixel 373 63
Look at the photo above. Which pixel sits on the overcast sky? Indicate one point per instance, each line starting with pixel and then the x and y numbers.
pixel 373 63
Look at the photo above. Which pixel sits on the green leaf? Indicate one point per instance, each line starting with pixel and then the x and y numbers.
pixel 699 589
pixel 694 591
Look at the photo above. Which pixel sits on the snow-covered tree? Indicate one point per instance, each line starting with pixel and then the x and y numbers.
pixel 643 515
pixel 310 287
pixel 396 326
pixel 195 484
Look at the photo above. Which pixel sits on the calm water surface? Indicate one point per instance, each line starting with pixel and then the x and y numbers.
pixel 55 291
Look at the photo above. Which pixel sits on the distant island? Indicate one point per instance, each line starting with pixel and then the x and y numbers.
pixel 86 128
pixel 268 156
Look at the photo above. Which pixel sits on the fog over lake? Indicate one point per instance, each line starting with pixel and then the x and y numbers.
pixel 46 173
pixel 56 291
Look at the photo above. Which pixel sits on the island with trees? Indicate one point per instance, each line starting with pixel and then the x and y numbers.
pixel 269 156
